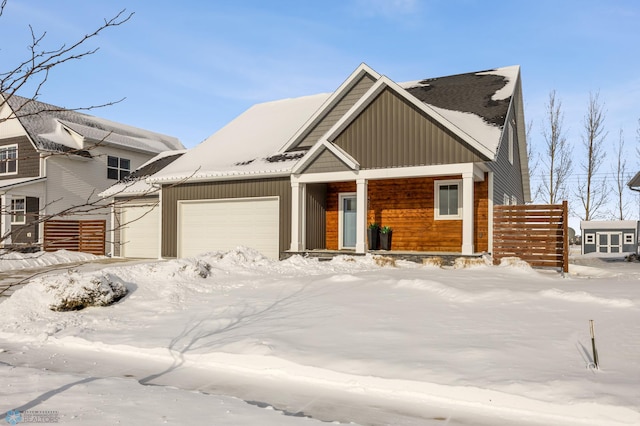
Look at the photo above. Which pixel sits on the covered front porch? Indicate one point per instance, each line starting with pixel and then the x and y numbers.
pixel 434 210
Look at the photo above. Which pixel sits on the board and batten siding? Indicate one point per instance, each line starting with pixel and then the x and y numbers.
pixel 507 176
pixel 391 132
pixel 316 213
pixel 280 187
pixel 332 116
pixel 28 157
pixel 326 162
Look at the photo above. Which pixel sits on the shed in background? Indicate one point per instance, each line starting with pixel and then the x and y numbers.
pixel 609 236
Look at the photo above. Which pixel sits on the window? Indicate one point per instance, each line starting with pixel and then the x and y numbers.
pixel 18 211
pixel 514 200
pixel 505 199
pixel 511 136
pixel 448 199
pixel 628 238
pixel 118 168
pixel 589 239
pixel 9 159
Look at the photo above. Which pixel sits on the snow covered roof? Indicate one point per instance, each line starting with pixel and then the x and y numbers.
pixel 135 183
pixel 608 224
pixel 472 105
pixel 12 183
pixel 249 144
pixel 53 128
pixel 477 103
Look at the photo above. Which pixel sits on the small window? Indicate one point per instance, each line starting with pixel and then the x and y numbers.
pixel 118 168
pixel 589 239
pixel 9 160
pixel 18 211
pixel 511 137
pixel 505 200
pixel 514 200
pixel 448 202
pixel 628 239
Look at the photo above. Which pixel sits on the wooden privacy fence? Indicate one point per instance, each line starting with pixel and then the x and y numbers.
pixel 87 236
pixel 537 234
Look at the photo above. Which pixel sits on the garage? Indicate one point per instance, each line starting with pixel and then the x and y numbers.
pixel 140 235
pixel 219 225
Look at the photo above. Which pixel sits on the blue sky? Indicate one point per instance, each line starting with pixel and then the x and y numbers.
pixel 187 68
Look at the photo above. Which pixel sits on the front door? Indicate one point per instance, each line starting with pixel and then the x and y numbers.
pixel 347 220
pixel 609 242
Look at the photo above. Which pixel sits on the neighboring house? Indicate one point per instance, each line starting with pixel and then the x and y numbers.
pixel 609 236
pixel 428 158
pixel 135 210
pixel 54 162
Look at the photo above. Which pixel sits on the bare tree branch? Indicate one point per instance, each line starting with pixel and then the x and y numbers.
pixel 557 162
pixel 592 195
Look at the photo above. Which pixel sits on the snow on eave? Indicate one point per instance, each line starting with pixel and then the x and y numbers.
pixel 216 176
pixel 608 224
pixel 133 188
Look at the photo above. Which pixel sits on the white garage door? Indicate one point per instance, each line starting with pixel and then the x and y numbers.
pixel 212 225
pixel 140 236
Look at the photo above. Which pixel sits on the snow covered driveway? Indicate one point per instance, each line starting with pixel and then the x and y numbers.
pixel 408 345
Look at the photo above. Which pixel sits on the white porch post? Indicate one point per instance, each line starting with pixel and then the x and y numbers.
pixel 297 216
pixel 467 213
pixel 5 227
pixel 361 215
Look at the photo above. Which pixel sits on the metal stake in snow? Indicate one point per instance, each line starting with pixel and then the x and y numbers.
pixel 593 343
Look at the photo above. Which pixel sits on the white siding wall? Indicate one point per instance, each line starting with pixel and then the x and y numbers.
pixel 71 181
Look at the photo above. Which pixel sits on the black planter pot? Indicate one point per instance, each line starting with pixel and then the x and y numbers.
pixel 385 240
pixel 373 236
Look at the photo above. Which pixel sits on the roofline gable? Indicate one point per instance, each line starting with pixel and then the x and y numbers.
pixel 362 70
pixel 385 82
pixel 317 149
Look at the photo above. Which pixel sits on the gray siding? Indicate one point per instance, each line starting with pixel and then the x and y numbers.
pixel 507 177
pixel 280 187
pixel 326 162
pixel 28 158
pixel 316 212
pixel 337 111
pixel 593 247
pixel 391 132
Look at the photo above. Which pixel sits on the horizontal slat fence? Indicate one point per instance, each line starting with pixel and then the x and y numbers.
pixel 537 234
pixel 87 236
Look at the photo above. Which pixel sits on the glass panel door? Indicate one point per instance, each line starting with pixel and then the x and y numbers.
pixel 348 221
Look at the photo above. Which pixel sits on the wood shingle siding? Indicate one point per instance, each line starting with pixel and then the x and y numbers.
pixel 407 206
pixel 393 133
pixel 280 187
pixel 335 113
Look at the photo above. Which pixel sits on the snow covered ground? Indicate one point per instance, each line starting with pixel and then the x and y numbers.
pixel 346 341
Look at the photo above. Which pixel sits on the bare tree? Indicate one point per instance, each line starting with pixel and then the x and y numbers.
pixel 32 73
pixel 621 177
pixel 556 159
pixel 593 193
pixel 22 82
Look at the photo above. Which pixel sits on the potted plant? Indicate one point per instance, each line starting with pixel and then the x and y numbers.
pixel 385 237
pixel 373 236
